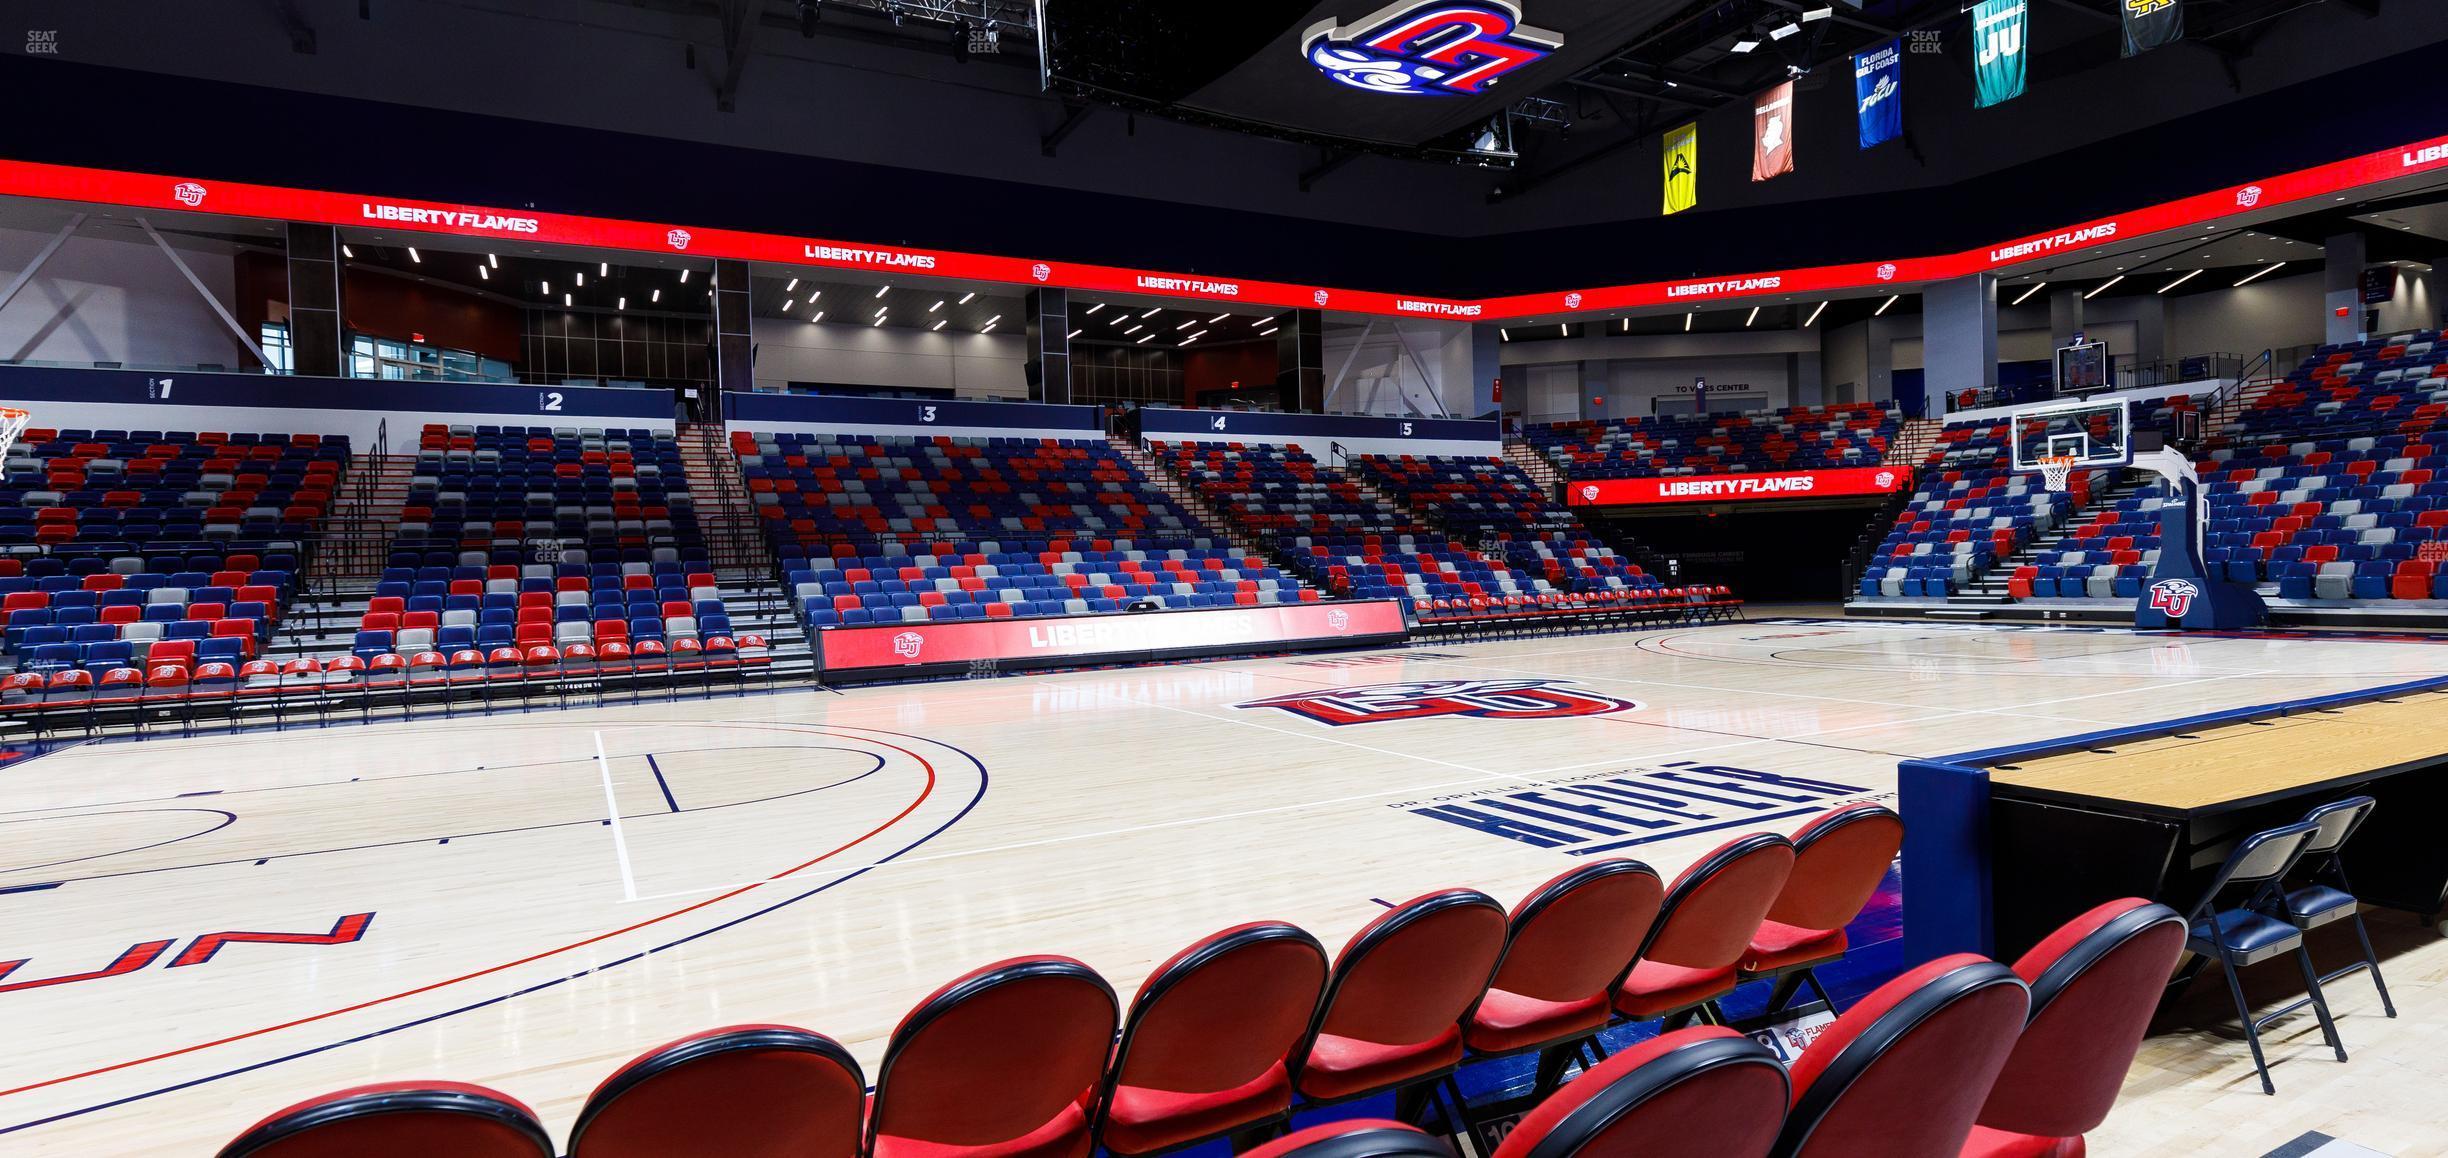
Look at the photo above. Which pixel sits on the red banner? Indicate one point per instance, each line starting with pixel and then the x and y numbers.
pixel 1738 488
pixel 1028 642
pixel 2233 205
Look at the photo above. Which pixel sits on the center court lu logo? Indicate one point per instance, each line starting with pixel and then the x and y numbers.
pixel 1528 699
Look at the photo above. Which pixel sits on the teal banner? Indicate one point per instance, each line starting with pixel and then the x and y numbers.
pixel 1999 48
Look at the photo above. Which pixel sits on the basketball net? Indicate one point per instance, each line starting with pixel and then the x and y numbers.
pixel 2055 469
pixel 12 423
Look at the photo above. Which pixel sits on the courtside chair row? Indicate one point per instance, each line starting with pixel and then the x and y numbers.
pixel 1228 1036
pixel 1959 1058
pixel 2275 886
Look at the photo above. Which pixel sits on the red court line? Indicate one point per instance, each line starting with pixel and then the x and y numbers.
pixel 600 937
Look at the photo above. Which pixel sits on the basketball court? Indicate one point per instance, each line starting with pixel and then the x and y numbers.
pixel 526 900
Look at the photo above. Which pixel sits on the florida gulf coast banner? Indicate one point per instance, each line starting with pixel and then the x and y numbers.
pixel 2000 35
pixel 1683 168
pixel 1878 92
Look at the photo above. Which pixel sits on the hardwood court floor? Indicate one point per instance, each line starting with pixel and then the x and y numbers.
pixel 825 859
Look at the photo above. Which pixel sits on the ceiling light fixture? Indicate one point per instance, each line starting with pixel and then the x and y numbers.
pixel 414 256
pixel 1093 309
pixel 655 296
pixel 1194 337
pixel 1687 321
pixel 624 304
pixel 787 303
pixel 965 297
pixel 581 276
pixel 1217 318
pixel 345 251
pixel 1152 311
pixel 1820 13
pixel 1266 331
pixel 1185 325
pixel 565 300
pixel 937 306
pixel 1145 340
pixel 1806 322
pixel 2102 287
pixel 684 277
pixel 819 316
pixel 1073 334
pixel 547 289
pixel 990 322
pixel 2180 281
pixel 1782 31
pixel 1753 318
pixel 1503 334
pixel 483 274
pixel 2026 295
pixel 880 290
pixel 493 261
pixel 1883 305
pixel 794 284
pixel 1745 45
pixel 603 269
pixel 939 325
pixel 2257 274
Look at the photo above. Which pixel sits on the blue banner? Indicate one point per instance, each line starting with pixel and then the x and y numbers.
pixel 1878 93
pixel 755 410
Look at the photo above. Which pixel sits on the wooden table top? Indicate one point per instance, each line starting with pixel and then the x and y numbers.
pixel 2232 765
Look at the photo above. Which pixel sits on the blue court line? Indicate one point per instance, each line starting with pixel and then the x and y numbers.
pixel 657 769
pixel 310 1051
pixel 29 888
pixel 2108 736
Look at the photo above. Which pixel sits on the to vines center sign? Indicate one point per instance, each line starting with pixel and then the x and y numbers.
pixel 1734 488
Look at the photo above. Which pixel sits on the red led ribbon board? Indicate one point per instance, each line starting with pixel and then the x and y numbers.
pixel 1041 642
pixel 1737 488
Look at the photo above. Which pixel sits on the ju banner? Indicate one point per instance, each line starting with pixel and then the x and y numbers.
pixel 1683 168
pixel 2151 24
pixel 1772 133
pixel 1878 93
pixel 1998 42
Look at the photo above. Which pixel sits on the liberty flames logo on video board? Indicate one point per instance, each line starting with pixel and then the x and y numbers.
pixel 1530 699
pixel 1417 48
pixel 2173 596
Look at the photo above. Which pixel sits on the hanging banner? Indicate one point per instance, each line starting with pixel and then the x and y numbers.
pixel 1998 40
pixel 1683 168
pixel 1772 133
pixel 2151 24
pixel 1878 93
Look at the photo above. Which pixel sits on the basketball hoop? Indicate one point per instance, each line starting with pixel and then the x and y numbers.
pixel 12 423
pixel 2055 469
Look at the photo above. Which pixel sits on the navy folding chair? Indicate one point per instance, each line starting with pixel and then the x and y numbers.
pixel 2246 934
pixel 2326 897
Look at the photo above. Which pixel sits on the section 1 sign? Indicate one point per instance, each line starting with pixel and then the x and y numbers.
pixel 1005 644
pixel 1734 488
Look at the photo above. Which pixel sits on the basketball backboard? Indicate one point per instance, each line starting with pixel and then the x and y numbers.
pixel 2094 434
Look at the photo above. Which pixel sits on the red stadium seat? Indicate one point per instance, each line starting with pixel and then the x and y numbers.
pixel 1355 1138
pixel 745 1091
pixel 1002 1062
pixel 1839 859
pixel 2094 984
pixel 398 1120
pixel 1569 940
pixel 1903 1073
pixel 1207 1047
pixel 1391 1019
pixel 1704 1092
pixel 1703 929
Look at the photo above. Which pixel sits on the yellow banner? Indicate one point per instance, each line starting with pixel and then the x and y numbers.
pixel 1683 168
